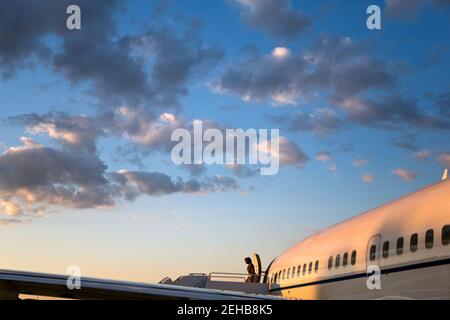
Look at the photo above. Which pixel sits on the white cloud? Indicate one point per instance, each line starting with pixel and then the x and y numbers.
pixel 368 178
pixel 323 156
pixel 359 162
pixel 422 154
pixel 404 174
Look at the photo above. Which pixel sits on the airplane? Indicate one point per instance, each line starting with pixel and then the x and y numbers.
pixel 400 250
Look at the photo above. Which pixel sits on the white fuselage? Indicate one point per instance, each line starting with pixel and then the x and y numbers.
pixel 407 270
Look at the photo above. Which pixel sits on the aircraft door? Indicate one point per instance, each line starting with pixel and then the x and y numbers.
pixel 373 251
pixel 258 266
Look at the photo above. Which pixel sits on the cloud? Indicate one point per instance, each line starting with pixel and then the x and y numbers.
pixel 144 128
pixel 339 65
pixel 402 8
pixel 219 183
pixel 409 8
pixel 34 177
pixel 323 156
pixel 277 18
pixel 391 112
pixel 8 222
pixel 444 159
pixel 275 77
pixel 154 184
pixel 404 174
pixel 242 171
pixel 322 121
pixel 152 68
pixel 442 102
pixel 359 162
pixel 10 208
pixel 76 132
pixel 368 178
pixel 290 154
pixel 332 167
pixel 407 142
pixel 173 60
pixel 80 133
pixel 422 154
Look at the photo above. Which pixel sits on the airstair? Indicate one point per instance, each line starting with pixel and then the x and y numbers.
pixel 219 281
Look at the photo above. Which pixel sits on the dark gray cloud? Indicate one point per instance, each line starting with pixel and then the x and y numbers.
pixel 154 183
pixel 173 60
pixel 22 25
pixel 442 101
pixel 409 8
pixel 34 177
pixel 150 68
pixel 290 153
pixel 278 18
pixel 339 65
pixel 367 73
pixel 275 77
pixel 407 142
pixel 321 121
pixel 392 112
pixel 342 69
pixel 402 8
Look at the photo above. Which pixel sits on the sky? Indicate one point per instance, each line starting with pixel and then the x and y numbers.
pixel 86 118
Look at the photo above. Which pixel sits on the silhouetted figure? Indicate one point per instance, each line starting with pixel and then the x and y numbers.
pixel 250 270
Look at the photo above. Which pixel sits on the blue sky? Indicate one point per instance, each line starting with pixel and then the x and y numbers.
pixel 85 171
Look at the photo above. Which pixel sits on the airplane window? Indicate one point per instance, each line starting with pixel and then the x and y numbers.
pixel 288 273
pixel 310 267
pixel 446 234
pixel 338 261
pixel 293 272
pixel 304 269
pixel 429 239
pixel 386 249
pixel 330 263
pixel 400 246
pixel 316 266
pixel 353 257
pixel 345 260
pixel 373 252
pixel 298 270
pixel 413 242
pixel 284 274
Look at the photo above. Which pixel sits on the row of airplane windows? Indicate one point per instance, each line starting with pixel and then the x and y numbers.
pixel 414 241
pixel 291 273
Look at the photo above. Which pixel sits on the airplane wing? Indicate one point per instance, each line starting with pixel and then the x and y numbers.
pixel 13 283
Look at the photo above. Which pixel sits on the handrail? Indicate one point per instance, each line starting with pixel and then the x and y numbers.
pixel 165 280
pixel 230 275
